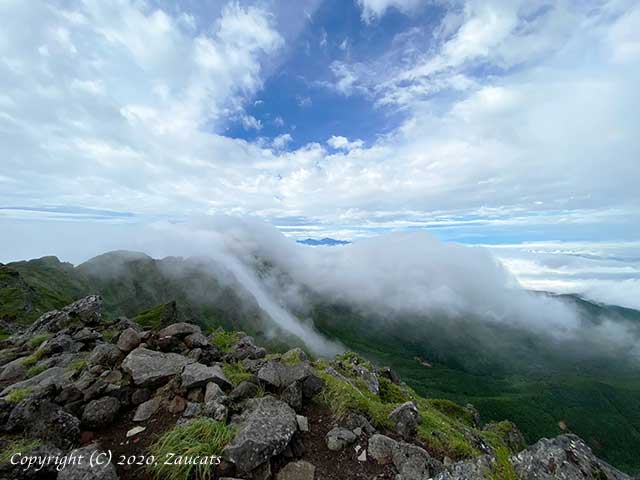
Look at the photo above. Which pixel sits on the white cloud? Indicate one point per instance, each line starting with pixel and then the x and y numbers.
pixel 374 9
pixel 281 141
pixel 343 143
pixel 250 122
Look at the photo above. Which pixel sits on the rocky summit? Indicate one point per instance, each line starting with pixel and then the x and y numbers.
pixel 179 403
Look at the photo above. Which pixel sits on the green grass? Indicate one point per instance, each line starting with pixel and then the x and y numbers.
pixel 32 359
pixel 153 318
pixel 236 373
pixel 77 365
pixel 38 340
pixel 18 394
pixel 224 339
pixel 35 370
pixel 502 470
pixel 20 445
pixel 199 437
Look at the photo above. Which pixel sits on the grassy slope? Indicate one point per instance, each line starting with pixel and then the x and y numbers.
pixel 599 407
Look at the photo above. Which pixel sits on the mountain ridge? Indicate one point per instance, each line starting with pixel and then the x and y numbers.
pixel 540 395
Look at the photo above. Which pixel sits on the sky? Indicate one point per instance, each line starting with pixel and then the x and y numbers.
pixel 510 124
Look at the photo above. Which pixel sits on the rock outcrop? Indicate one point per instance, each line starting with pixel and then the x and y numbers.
pixel 282 416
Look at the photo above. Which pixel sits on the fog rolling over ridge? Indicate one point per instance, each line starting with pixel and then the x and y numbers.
pixel 404 275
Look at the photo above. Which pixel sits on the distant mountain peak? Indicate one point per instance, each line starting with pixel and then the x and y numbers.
pixel 323 242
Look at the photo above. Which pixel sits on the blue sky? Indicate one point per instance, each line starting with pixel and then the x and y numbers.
pixel 483 122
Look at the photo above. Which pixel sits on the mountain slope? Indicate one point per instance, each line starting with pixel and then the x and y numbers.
pixel 546 386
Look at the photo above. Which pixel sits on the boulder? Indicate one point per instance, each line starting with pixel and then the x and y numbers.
pixel 128 340
pixel 86 335
pixel 566 457
pixel 148 367
pixel 299 470
pixel 265 429
pixel 54 376
pixel 147 409
pixel 45 420
pixel 475 469
pixel 279 375
pixel 60 343
pixel 311 386
pixel 86 310
pixel 101 412
pixel 196 340
pixel 105 354
pixel 215 410
pixel 411 461
pixel 406 419
pixel 140 395
pixel 243 391
pixel 355 421
pixel 180 330
pixel 13 371
pixel 246 348
pixel 339 438
pixel 213 392
pixel 293 395
pixel 390 375
pixel 85 468
pixel 197 374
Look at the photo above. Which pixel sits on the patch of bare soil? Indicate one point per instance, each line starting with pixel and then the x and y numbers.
pixel 340 465
pixel 135 448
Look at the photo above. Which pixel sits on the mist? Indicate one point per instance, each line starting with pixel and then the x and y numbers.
pixel 400 275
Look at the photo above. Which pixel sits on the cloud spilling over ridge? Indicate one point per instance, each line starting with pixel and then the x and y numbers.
pixel 397 274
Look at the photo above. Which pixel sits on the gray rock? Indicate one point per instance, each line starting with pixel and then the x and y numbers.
pixel 265 429
pixel 13 371
pixel 60 343
pixel 148 367
pixel 105 354
pixel 85 310
pixel 303 423
pixel 311 386
pixel 140 395
pixel 213 392
pixel 128 340
pixel 196 340
pixel 339 438
pixel 101 412
pixel 85 469
pixel 197 374
pixel 243 391
pixel 566 457
pixel 279 375
pixel 406 419
pixel 215 410
pixel 414 463
pixel 474 469
pixel 86 335
pixel 53 376
pixel 180 330
pixel 192 410
pixel 381 448
pixel 411 461
pixel 299 470
pixel 147 409
pixel 112 376
pixel 45 420
pixel 246 348
pixel 354 421
pixel 293 395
